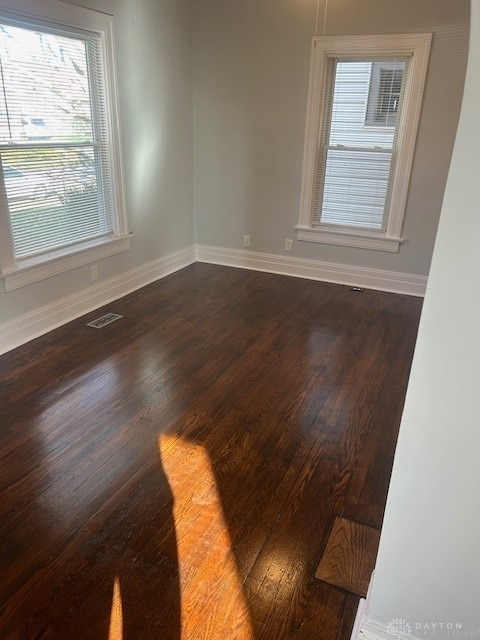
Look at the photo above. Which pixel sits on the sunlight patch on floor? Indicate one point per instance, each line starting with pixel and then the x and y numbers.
pixel 213 603
pixel 116 616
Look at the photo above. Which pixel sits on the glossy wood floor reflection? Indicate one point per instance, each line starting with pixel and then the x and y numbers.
pixel 176 474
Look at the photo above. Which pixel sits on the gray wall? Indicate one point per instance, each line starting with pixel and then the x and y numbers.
pixel 251 64
pixel 428 567
pixel 154 61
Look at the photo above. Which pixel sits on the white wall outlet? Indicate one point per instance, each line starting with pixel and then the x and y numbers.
pixel 246 242
pixel 94 272
pixel 288 245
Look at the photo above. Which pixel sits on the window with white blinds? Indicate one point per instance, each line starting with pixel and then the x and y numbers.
pixel 364 107
pixel 53 140
pixel 355 161
pixel 59 182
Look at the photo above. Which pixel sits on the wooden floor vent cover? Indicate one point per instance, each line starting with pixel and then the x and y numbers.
pixel 349 556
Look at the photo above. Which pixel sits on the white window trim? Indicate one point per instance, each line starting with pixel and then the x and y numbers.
pixel 418 47
pixel 18 273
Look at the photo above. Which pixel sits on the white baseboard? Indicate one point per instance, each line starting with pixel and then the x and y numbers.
pixel 391 281
pixel 33 324
pixel 361 613
pixel 367 629
pixel 38 322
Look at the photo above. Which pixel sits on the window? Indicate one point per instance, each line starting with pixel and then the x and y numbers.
pixel 364 106
pixel 61 195
pixel 386 83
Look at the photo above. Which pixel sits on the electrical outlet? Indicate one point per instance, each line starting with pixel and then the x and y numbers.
pixel 288 245
pixel 246 242
pixel 94 272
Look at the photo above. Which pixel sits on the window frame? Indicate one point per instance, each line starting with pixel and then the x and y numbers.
pixel 71 20
pixel 417 47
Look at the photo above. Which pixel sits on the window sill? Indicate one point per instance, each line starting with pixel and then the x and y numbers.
pixel 349 239
pixel 38 268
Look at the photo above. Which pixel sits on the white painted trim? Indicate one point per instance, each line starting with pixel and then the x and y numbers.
pixel 35 323
pixel 60 261
pixel 38 322
pixel 315 270
pixel 365 628
pixel 411 44
pixel 419 46
pixel 349 239
pixel 7 259
pixel 315 116
pixel 360 617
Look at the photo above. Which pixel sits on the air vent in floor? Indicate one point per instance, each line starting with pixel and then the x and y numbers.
pixel 99 323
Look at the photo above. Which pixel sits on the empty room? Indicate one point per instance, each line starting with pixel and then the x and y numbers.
pixel 239 311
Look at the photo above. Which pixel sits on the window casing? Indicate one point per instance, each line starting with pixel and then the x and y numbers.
pixel 61 180
pixel 364 106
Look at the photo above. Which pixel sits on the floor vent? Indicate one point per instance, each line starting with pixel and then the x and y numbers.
pixel 108 318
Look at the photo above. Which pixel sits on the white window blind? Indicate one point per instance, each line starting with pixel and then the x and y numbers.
pixel 358 142
pixel 57 183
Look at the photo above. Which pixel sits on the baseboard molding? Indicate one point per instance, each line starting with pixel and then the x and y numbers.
pixel 365 628
pixel 42 320
pixel 361 613
pixel 391 281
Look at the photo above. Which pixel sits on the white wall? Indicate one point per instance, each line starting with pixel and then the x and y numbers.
pixel 251 64
pixel 428 568
pixel 153 45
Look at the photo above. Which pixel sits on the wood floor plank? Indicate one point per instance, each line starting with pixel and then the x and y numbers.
pixel 349 557
pixel 182 468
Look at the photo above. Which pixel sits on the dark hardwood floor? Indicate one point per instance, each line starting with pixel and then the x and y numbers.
pixel 176 474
